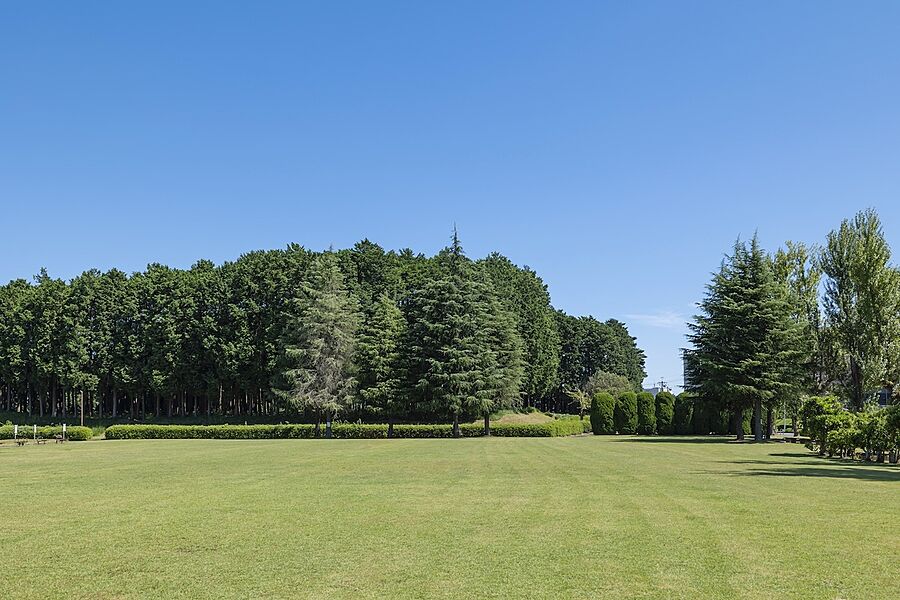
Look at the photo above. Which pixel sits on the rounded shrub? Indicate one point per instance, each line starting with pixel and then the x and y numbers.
pixel 665 413
pixel 603 408
pixel 646 413
pixel 625 415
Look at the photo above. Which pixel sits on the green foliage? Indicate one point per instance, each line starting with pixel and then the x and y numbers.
pixel 646 413
pixel 525 296
pixel 862 305
pixel 212 432
pixel 625 415
pixel 589 346
pixel 273 335
pixel 378 359
pixel 665 413
pixel 555 428
pixel 462 353
pixel 683 414
pixel 611 383
pixel 747 349
pixel 603 407
pixel 816 414
pixel 74 433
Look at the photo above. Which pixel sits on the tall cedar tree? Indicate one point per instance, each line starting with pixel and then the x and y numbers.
pixel 319 344
pixel 462 353
pixel 745 343
pixel 525 296
pixel 378 360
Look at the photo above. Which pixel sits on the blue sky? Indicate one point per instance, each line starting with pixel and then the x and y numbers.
pixel 617 148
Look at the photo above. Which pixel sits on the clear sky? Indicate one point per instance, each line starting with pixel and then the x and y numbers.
pixel 618 148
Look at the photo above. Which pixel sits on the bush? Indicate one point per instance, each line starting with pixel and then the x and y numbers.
pixel 815 413
pixel 558 427
pixel 210 432
pixel 603 408
pixel 684 410
pixel 611 383
pixel 665 413
pixel 76 433
pixel 358 431
pixel 625 415
pixel 646 413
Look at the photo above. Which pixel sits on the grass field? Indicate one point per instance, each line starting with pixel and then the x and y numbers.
pixel 585 517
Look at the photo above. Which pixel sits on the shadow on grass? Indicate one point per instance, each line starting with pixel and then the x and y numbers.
pixel 832 470
pixel 677 440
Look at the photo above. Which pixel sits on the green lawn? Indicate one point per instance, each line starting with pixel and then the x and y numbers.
pixel 586 517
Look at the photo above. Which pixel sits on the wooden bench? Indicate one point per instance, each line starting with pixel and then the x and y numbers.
pixel 40 441
pixel 59 438
pixel 20 442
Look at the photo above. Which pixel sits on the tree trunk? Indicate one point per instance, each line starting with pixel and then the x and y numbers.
pixel 757 420
pixel 487 424
pixel 390 428
pixel 770 423
pixel 328 427
pixel 856 383
pixel 455 425
pixel 318 424
pixel 737 419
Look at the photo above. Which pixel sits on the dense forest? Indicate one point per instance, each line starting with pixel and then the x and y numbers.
pixel 359 334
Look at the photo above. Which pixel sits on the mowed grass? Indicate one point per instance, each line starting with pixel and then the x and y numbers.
pixel 584 517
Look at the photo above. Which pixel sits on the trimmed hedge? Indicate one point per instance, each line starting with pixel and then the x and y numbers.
pixel 665 413
pixel 626 413
pixel 75 433
pixel 555 428
pixel 646 413
pixel 210 432
pixel 603 407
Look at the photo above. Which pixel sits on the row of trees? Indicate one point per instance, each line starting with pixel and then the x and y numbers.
pixel 803 321
pixel 632 413
pixel 366 333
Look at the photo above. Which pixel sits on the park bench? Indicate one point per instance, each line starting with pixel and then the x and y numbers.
pixel 40 440
pixel 59 438
pixel 20 442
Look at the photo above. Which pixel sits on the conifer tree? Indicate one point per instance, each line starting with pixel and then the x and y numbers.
pixel 462 353
pixel 378 360
pixel 746 348
pixel 319 343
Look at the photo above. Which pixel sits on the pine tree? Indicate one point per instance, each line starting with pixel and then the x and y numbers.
pixel 378 359
pixel 745 344
pixel 463 354
pixel 318 344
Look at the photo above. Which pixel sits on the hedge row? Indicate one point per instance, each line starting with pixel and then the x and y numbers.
pixel 210 432
pixel 555 428
pixel 75 433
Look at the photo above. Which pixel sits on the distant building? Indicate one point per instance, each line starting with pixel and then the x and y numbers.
pixel 660 387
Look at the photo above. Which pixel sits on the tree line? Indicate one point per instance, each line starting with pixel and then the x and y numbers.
pixel 361 333
pixel 805 321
